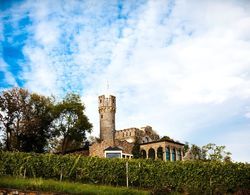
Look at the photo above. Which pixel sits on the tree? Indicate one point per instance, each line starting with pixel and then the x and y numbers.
pixel 186 147
pixel 11 116
pixel 208 152
pixel 70 124
pixel 166 138
pixel 216 153
pixel 136 149
pixel 25 119
pixel 38 117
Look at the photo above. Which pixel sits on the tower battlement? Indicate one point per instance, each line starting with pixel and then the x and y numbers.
pixel 107 103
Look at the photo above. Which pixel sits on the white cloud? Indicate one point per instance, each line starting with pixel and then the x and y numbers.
pixel 8 77
pixel 40 75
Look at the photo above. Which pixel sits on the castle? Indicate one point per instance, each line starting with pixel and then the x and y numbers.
pixel 119 143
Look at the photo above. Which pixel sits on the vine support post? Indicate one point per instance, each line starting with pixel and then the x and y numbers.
pixel 127 173
pixel 139 174
pixel 61 175
pixel 24 174
pixel 210 183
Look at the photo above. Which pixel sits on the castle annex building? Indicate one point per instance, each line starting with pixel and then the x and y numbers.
pixel 119 143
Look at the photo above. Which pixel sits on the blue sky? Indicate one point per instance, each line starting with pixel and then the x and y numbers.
pixel 182 67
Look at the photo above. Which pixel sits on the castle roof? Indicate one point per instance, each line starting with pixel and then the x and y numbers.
pixel 114 148
pixel 171 141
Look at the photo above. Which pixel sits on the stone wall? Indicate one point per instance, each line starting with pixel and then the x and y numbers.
pixel 127 134
pixel 97 149
pixel 144 134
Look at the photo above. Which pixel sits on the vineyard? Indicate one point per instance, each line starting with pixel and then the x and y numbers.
pixel 188 176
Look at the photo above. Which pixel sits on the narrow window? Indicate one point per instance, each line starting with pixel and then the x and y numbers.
pixel 167 154
pixel 173 155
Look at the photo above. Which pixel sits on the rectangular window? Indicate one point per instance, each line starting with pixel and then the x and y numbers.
pixel 113 155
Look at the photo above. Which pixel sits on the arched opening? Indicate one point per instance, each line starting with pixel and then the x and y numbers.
pixel 173 155
pixel 167 153
pixel 143 154
pixel 160 153
pixel 151 153
pixel 179 154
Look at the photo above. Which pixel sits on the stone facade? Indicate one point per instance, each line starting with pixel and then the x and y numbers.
pixel 97 149
pixel 144 135
pixel 162 149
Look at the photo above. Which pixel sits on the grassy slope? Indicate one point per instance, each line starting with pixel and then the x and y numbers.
pixel 63 187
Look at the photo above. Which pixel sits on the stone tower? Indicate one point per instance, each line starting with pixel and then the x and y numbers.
pixel 107 109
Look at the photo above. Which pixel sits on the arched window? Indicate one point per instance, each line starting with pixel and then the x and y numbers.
pixel 167 153
pixel 160 153
pixel 151 153
pixel 143 154
pixel 179 154
pixel 173 155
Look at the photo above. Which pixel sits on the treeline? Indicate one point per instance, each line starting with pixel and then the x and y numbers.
pixel 191 177
pixel 30 122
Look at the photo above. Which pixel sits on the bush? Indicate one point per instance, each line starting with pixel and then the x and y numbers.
pixel 195 177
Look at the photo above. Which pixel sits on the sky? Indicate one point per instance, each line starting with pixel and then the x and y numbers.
pixel 182 67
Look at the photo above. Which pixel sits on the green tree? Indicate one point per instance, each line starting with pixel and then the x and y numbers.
pixel 196 151
pixel 25 119
pixel 38 117
pixel 136 149
pixel 216 153
pixel 70 124
pixel 208 152
pixel 186 147
pixel 12 103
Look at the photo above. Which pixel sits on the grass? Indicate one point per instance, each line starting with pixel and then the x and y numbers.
pixel 49 185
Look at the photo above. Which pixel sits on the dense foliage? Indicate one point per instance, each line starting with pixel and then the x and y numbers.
pixel 208 152
pixel 189 176
pixel 70 124
pixel 25 120
pixel 30 122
